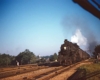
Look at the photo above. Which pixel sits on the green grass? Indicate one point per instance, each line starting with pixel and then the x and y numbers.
pixel 91 68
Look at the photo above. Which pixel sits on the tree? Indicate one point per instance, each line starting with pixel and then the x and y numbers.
pixel 5 59
pixel 96 51
pixel 26 57
pixel 53 57
pixel 13 60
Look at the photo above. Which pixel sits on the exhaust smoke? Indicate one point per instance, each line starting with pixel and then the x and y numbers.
pixel 81 32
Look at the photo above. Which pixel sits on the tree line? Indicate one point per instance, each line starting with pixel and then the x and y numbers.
pixel 28 57
pixel 25 57
pixel 96 51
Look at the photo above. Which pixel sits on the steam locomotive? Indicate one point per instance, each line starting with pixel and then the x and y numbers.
pixel 71 53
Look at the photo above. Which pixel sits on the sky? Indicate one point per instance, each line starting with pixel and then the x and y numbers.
pixel 42 25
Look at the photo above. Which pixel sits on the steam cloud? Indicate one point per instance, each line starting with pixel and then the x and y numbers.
pixel 79 38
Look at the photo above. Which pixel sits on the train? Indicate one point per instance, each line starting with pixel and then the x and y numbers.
pixel 71 53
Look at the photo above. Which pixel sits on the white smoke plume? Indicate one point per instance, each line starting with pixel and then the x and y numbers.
pixel 79 38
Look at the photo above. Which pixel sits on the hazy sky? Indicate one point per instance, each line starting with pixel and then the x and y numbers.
pixel 42 25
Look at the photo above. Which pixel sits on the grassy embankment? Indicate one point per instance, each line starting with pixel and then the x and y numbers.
pixel 91 68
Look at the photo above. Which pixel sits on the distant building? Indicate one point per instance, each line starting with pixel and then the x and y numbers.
pixel 39 57
pixel 47 60
pixel 17 63
pixel 98 56
pixel 56 60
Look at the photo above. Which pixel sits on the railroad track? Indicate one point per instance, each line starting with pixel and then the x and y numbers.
pixel 52 73
pixel 49 73
pixel 16 67
pixel 20 71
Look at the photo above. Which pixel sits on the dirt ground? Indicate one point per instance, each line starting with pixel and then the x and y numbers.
pixel 65 75
pixel 30 75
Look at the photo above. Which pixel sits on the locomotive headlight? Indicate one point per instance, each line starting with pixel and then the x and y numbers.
pixel 64 48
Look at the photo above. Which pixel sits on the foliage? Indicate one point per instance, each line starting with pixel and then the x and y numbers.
pixel 43 60
pixel 26 57
pixel 53 57
pixel 97 49
pixel 5 59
